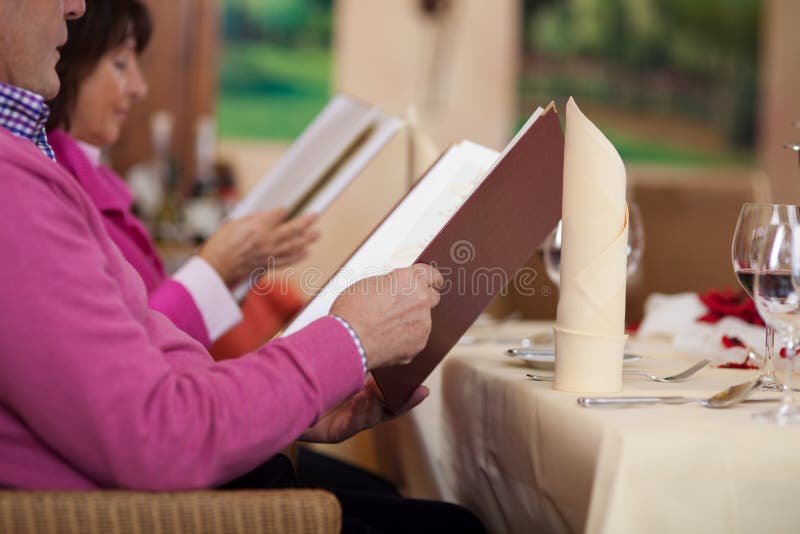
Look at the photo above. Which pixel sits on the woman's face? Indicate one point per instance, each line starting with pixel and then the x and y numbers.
pixel 105 96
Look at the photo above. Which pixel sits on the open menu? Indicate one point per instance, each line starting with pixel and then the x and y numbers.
pixel 346 143
pixel 477 216
pixel 326 157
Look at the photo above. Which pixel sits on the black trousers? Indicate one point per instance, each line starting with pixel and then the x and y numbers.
pixel 369 504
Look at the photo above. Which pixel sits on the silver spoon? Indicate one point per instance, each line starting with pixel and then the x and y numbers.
pixel 724 399
pixel 672 378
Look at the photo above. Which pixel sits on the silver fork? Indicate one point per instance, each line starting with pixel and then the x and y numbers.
pixel 672 378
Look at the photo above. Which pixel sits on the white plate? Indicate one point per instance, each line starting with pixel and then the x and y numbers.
pixel 546 359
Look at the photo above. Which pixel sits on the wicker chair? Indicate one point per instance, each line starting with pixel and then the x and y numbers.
pixel 211 512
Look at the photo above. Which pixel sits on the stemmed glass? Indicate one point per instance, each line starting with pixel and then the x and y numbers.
pixel 750 228
pixel 777 296
pixel 551 248
pixel 551 255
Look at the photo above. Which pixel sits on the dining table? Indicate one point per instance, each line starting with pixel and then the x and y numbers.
pixel 528 458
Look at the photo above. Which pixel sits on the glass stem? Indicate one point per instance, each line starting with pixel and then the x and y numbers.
pixel 768 370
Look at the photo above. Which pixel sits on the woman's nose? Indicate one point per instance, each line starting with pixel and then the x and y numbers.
pixel 137 86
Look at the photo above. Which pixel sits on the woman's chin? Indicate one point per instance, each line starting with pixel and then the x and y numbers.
pixel 111 137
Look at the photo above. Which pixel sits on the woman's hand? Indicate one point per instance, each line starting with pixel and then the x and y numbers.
pixel 260 240
pixel 360 412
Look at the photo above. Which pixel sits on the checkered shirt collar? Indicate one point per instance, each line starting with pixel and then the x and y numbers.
pixel 24 114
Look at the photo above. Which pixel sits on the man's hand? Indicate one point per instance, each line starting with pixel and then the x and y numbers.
pixel 360 412
pixel 392 313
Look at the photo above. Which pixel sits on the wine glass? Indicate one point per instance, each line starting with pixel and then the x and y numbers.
pixel 551 248
pixel 551 255
pixel 750 228
pixel 777 297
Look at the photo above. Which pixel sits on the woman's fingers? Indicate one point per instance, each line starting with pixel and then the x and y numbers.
pixel 282 261
pixel 271 219
pixel 295 244
pixel 290 229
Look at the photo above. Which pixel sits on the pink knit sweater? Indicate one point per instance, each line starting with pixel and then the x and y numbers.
pixel 99 390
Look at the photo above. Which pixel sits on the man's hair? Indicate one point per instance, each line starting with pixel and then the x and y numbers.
pixel 106 25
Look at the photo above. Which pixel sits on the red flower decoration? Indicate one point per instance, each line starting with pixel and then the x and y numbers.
pixel 733 365
pixel 729 303
pixel 632 328
pixel 783 352
pixel 731 341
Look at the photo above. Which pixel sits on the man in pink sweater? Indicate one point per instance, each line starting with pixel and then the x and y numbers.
pixel 99 391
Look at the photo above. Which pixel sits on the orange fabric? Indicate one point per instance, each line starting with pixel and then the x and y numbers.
pixel 264 316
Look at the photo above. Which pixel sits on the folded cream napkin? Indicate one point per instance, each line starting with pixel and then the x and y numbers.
pixel 675 318
pixel 590 325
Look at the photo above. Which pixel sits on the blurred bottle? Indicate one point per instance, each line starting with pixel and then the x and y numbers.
pixel 153 182
pixel 228 192
pixel 204 210
pixel 205 151
pixel 168 225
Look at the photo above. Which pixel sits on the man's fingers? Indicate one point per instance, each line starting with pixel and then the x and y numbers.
pixel 430 279
pixel 428 275
pixel 435 298
pixel 419 395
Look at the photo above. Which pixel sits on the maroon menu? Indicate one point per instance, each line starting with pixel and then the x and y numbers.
pixel 500 226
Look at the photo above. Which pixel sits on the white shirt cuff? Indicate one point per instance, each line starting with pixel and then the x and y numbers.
pixel 213 298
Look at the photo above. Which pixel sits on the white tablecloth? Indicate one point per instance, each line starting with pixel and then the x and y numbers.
pixel 527 458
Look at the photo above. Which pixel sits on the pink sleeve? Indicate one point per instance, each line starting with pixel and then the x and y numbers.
pixel 85 364
pixel 174 301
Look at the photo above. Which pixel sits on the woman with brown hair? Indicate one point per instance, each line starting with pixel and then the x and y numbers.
pixel 100 79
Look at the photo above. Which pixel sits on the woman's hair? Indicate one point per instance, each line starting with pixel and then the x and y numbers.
pixel 106 25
